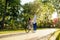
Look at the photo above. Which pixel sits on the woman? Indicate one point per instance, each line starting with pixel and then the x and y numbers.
pixel 30 25
pixel 34 23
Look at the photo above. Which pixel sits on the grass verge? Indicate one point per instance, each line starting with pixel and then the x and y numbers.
pixel 10 31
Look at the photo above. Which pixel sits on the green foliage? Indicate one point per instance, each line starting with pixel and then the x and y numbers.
pixel 16 15
pixel 11 11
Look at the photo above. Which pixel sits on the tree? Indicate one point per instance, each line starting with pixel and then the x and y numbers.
pixel 42 9
pixel 10 11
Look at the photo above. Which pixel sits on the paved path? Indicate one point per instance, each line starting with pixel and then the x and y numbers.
pixel 42 34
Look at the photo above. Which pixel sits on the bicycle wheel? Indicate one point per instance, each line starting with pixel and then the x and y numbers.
pixel 27 29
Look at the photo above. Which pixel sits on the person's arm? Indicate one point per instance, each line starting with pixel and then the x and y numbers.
pixel 34 19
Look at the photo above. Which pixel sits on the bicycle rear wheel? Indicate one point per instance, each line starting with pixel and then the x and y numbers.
pixel 27 29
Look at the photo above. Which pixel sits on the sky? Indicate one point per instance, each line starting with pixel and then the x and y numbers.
pixel 26 1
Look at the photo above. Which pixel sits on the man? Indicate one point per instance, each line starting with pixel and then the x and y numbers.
pixel 34 23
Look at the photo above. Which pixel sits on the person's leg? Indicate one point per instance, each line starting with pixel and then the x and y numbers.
pixel 34 27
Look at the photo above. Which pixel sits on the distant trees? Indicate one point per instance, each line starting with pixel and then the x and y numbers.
pixel 13 15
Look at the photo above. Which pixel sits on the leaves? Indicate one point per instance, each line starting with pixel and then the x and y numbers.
pixel 17 14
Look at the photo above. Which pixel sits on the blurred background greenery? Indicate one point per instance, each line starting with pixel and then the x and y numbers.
pixel 14 15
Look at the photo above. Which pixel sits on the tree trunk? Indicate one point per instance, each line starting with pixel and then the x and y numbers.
pixel 3 20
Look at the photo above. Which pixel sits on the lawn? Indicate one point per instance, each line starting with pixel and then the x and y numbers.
pixel 10 31
pixel 17 31
pixel 58 37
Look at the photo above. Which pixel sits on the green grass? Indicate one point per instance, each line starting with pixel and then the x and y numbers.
pixel 58 37
pixel 10 31
pixel 16 31
pixel 13 31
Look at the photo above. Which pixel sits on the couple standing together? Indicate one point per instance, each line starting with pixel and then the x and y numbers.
pixel 32 23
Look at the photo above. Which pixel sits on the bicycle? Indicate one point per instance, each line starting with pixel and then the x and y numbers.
pixel 28 28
